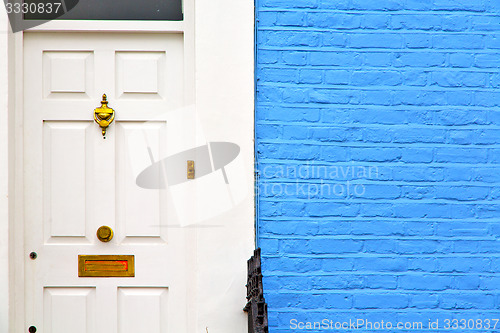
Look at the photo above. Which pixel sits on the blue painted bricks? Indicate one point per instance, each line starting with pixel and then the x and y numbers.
pixel 378 147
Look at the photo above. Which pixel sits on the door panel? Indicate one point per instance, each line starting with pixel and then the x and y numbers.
pixel 142 310
pixel 77 181
pixel 65 158
pixel 132 158
pixel 137 74
pixel 69 307
pixel 68 74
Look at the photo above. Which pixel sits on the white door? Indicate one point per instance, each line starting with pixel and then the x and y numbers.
pixel 76 181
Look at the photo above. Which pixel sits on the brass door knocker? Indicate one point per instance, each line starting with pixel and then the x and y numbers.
pixel 104 116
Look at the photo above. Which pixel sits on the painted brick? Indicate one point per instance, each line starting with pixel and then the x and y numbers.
pixel 268 57
pixel 377 59
pixel 423 246
pixel 294 58
pixel 381 301
pixel 338 264
pixel 464 265
pixel 371 154
pixel 339 21
pixel 487 61
pixel 370 21
pixel 423 264
pixel 375 264
pixel 459 79
pixel 460 155
pixel 417 155
pixel 462 193
pixel 421 118
pixel 334 246
pixel 463 302
pixel 458 41
pixel 426 282
pixel 417 192
pixel 415 78
pixel 417 41
pixel 397 99
pixel 377 5
pixel 419 59
pixel 419 228
pixel 338 282
pixel 375 78
pixel 461 5
pixel 461 60
pixel 333 39
pixel 451 229
pixel 461 118
pixel 416 22
pixel 340 4
pixel 381 192
pixel 335 59
pixel 389 41
pixel 485 23
pixel 424 135
pixel 320 209
pixel 334 301
pixel 337 77
pixel 425 301
pixel 418 174
pixel 378 228
pixel 267 19
pixel 462 282
pixel 294 19
pixel 419 4
pixel 289 38
pixel 310 76
pixel 279 75
pixel 287 4
pixel 455 23
pixel 493 42
pixel 379 246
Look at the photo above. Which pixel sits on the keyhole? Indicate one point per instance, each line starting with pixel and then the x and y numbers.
pixel 32 329
pixel 33 256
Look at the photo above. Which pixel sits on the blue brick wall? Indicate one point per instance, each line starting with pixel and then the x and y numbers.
pixel 378 147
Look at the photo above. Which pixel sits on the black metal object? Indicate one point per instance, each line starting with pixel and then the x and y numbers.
pixel 256 304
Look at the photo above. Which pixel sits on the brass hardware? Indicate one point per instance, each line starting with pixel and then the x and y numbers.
pixel 190 169
pixel 104 233
pixel 32 329
pixel 103 115
pixel 33 255
pixel 106 266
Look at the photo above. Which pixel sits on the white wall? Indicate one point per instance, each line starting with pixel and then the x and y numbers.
pixel 225 104
pixel 4 206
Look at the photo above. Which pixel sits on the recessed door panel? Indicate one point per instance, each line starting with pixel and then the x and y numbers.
pixel 142 310
pixel 137 74
pixel 65 157
pixel 139 144
pixel 69 310
pixel 68 74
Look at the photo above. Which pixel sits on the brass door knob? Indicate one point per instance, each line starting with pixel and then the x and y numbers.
pixel 105 233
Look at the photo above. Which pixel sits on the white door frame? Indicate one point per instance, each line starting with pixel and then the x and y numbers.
pixel 237 31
